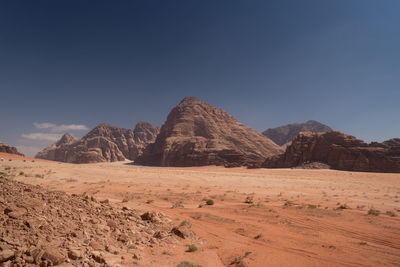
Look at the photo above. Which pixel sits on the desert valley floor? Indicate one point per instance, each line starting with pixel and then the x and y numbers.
pixel 263 217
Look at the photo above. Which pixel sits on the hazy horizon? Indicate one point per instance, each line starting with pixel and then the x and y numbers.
pixel 67 66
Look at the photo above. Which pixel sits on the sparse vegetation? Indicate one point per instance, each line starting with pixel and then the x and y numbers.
pixel 391 213
pixel 191 248
pixel 249 200
pixel 186 223
pixel 187 264
pixel 343 207
pixel 21 173
pixel 238 261
pixel 149 201
pixel 210 202
pixel 373 212
pixel 177 204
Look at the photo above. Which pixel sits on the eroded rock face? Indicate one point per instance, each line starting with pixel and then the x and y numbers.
pixel 9 149
pixel 104 143
pixel 339 151
pixel 58 150
pixel 196 134
pixel 285 134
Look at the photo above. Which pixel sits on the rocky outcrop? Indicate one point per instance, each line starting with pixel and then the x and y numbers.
pixel 196 133
pixel 56 151
pixel 339 151
pixel 39 227
pixel 285 134
pixel 9 149
pixel 104 143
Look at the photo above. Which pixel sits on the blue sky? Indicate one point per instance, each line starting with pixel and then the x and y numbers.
pixel 268 63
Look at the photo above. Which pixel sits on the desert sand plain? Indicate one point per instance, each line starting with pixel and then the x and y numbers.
pixel 293 217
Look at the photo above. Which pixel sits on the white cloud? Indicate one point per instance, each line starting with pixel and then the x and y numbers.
pixel 44 125
pixel 42 136
pixel 54 128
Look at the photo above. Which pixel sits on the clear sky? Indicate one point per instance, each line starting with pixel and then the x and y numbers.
pixel 70 65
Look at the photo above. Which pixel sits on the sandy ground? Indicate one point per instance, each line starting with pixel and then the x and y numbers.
pixel 293 218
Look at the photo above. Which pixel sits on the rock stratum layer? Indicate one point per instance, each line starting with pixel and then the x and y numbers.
pixel 197 134
pixel 339 151
pixel 103 143
pixel 9 149
pixel 285 134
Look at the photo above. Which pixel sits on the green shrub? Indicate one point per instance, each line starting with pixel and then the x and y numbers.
pixel 191 248
pixel 210 202
pixel 187 264
pixel 373 212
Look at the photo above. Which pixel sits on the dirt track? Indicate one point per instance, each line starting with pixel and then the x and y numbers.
pixel 294 218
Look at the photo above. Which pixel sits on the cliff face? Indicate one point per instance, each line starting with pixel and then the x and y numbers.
pixel 103 143
pixel 196 133
pixel 339 151
pixel 9 149
pixel 285 134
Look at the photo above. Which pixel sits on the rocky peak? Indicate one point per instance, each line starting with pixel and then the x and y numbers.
pixel 189 100
pixel 66 139
pixel 283 135
pixel 145 127
pixel 196 133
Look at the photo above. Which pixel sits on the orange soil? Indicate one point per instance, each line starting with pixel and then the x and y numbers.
pixel 293 220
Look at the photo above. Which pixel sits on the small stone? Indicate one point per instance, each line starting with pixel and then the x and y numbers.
pixel 124 238
pixel 183 232
pixel 96 245
pixel 112 224
pixel 112 249
pixel 160 234
pixel 98 256
pixel 74 254
pixel 6 255
pixel 53 255
pixel 105 201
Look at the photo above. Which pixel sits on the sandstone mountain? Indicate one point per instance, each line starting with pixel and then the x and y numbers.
pixel 285 134
pixel 103 143
pixel 339 151
pixel 196 134
pixel 8 149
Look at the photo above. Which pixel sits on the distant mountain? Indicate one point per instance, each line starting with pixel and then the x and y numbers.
pixel 104 143
pixel 196 133
pixel 9 149
pixel 285 134
pixel 56 151
pixel 339 151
